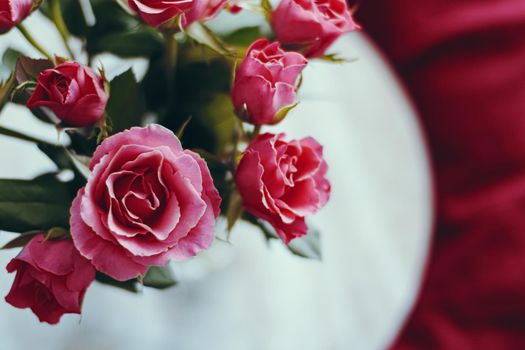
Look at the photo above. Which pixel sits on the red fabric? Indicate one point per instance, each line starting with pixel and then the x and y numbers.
pixel 464 63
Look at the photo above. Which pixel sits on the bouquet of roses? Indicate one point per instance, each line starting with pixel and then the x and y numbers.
pixel 148 167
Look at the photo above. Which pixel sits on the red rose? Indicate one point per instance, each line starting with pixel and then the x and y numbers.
pixel 283 182
pixel 147 201
pixel 51 279
pixel 265 82
pixel 13 12
pixel 157 12
pixel 311 25
pixel 73 92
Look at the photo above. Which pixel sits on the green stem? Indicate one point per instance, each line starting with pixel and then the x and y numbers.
pixel 170 64
pixel 32 41
pixel 58 20
pixel 20 136
pixel 256 131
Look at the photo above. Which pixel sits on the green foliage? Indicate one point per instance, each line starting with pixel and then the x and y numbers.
pixel 244 36
pixel 308 246
pixel 126 104
pixel 38 204
pixel 159 277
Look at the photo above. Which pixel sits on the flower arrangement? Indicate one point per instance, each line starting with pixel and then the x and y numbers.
pixel 153 164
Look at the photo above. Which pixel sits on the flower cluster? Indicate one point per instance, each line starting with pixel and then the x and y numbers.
pixel 142 196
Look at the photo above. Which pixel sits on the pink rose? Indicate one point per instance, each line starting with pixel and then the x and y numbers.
pixel 266 82
pixel 73 92
pixel 147 201
pixel 157 12
pixel 206 10
pixel 283 182
pixel 13 12
pixel 51 279
pixel 311 25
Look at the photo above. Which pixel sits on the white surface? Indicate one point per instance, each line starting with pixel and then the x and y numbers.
pixel 248 296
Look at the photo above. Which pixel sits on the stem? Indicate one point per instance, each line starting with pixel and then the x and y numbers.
pixel 58 20
pixel 32 41
pixel 20 136
pixel 170 64
pixel 256 131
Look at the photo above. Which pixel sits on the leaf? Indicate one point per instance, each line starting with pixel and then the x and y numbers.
pixel 235 209
pixel 267 8
pixel 5 90
pixel 126 104
pixel 205 36
pixel 38 204
pixel 308 246
pixel 335 58
pixel 8 63
pixel 180 131
pixel 243 36
pixel 21 240
pixel 143 42
pixel 29 68
pixel 129 285
pixel 283 112
pixel 159 277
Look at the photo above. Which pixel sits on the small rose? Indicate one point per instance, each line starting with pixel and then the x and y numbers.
pixel 283 182
pixel 311 26
pixel 208 9
pixel 159 12
pixel 147 201
pixel 13 12
pixel 51 278
pixel 265 82
pixel 73 92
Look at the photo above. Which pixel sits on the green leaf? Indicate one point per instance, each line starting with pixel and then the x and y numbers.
pixel 308 246
pixel 244 36
pixel 21 241
pixel 283 112
pixel 205 36
pixel 138 43
pixel 234 210
pixel 8 63
pixel 159 277
pixel 129 285
pixel 5 90
pixel 126 104
pixel 335 58
pixel 267 8
pixel 38 204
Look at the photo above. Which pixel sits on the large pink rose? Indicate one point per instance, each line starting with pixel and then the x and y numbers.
pixel 266 82
pixel 147 201
pixel 13 12
pixel 311 25
pixel 283 182
pixel 51 278
pixel 73 92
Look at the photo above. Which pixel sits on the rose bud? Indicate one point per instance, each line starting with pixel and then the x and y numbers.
pixel 283 182
pixel 311 26
pixel 73 92
pixel 265 83
pixel 146 201
pixel 13 12
pixel 51 279
pixel 158 12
